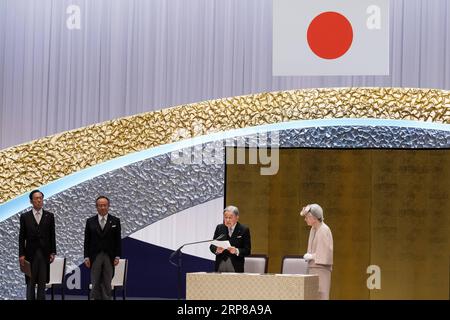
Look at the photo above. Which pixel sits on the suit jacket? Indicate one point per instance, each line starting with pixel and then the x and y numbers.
pixel 107 240
pixel 239 239
pixel 320 243
pixel 34 236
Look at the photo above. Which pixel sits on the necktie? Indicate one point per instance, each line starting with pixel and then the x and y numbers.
pixel 38 217
pixel 230 232
pixel 102 222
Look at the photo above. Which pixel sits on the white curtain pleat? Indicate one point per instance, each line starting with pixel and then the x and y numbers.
pixel 133 56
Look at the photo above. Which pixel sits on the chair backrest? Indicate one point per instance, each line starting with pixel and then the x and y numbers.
pixel 57 270
pixel 256 263
pixel 293 264
pixel 120 273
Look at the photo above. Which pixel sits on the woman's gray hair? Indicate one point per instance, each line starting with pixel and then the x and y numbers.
pixel 315 210
pixel 232 209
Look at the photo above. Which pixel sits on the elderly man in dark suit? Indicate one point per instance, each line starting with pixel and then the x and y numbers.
pixel 102 249
pixel 231 259
pixel 37 244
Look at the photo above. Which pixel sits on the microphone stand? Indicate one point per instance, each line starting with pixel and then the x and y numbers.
pixel 179 253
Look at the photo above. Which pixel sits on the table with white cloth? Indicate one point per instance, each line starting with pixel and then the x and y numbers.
pixel 251 286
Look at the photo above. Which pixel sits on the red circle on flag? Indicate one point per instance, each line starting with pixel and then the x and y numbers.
pixel 330 35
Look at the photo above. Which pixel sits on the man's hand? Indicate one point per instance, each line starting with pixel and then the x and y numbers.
pixel 116 261
pixel 232 250
pixel 87 263
pixel 52 258
pixel 219 250
pixel 22 260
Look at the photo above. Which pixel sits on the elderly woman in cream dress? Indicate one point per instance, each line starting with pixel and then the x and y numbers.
pixel 320 248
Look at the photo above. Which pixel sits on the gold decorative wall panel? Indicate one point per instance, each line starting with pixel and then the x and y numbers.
pixel 33 164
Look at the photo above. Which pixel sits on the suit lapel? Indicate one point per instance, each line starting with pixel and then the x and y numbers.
pixel 29 219
pixel 106 228
pixel 97 226
pixel 32 220
pixel 225 231
pixel 44 217
pixel 236 231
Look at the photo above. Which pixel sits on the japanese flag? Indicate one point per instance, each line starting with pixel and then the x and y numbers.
pixel 330 37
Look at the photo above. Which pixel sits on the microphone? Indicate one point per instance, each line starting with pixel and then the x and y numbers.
pixel 178 265
pixel 190 243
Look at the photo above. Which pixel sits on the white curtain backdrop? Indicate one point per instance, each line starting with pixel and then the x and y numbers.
pixel 132 56
pixel 194 224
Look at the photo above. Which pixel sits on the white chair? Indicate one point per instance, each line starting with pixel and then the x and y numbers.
pixel 119 280
pixel 293 264
pixel 256 263
pixel 57 272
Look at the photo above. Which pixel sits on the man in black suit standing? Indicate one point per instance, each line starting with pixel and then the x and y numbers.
pixel 231 259
pixel 102 248
pixel 37 244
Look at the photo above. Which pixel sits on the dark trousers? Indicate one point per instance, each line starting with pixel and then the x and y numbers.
pixel 101 276
pixel 38 277
pixel 226 266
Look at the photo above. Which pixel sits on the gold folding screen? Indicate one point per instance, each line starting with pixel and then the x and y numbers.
pixel 385 207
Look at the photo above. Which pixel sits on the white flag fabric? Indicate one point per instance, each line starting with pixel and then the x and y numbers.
pixel 330 37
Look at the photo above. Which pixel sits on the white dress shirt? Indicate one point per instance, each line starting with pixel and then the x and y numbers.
pixel 100 219
pixel 37 216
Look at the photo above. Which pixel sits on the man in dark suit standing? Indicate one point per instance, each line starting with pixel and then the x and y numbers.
pixel 37 244
pixel 102 248
pixel 231 259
